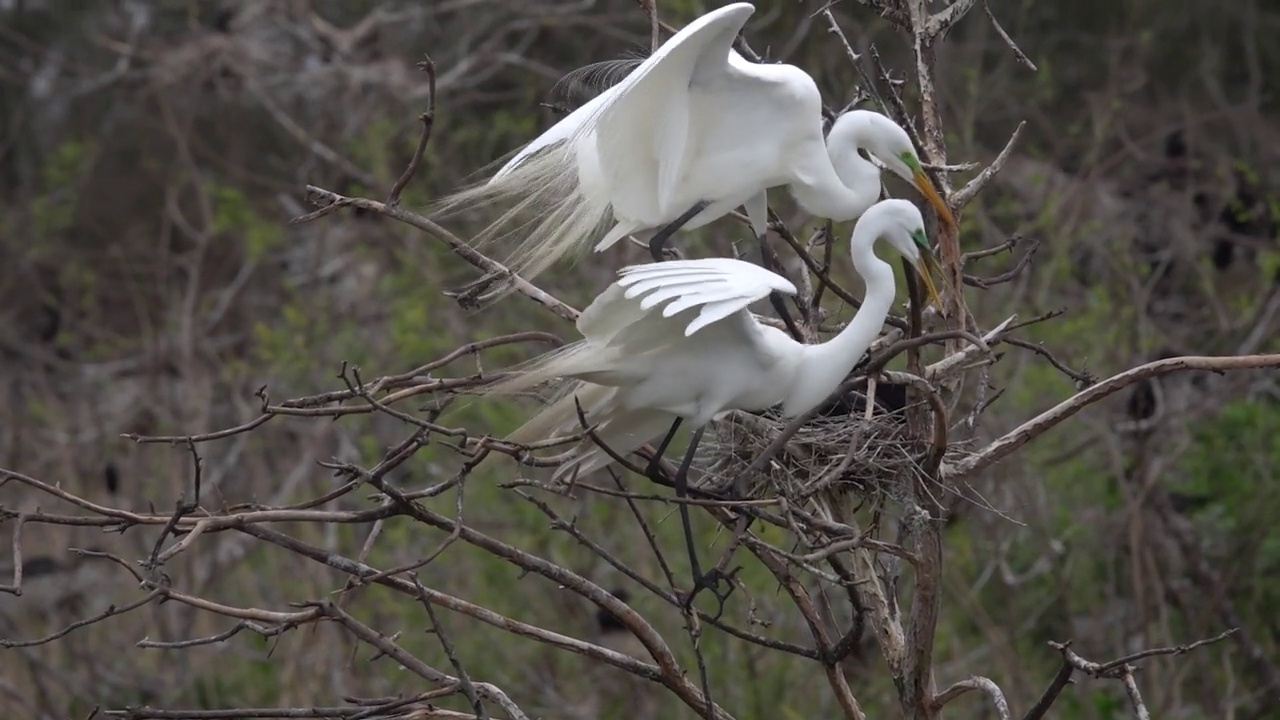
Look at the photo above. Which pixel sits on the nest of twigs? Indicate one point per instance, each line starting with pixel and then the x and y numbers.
pixel 845 453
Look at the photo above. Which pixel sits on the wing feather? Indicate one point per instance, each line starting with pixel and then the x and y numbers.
pixel 642 133
pixel 644 286
pixel 673 140
pixel 714 312
pixel 627 321
pixel 607 314
pixel 721 286
pixel 684 303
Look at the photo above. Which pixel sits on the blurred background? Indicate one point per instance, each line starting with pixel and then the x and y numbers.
pixel 151 154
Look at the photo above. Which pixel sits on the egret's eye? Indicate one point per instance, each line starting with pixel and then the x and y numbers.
pixel 909 158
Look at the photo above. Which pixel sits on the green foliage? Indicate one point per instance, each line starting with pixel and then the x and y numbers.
pixel 68 164
pixel 1248 430
pixel 287 347
pixel 54 210
pixel 1234 462
pixel 234 214
pixel 369 148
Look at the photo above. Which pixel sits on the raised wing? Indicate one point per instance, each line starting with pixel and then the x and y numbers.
pixel 719 286
pixel 642 132
pixel 641 123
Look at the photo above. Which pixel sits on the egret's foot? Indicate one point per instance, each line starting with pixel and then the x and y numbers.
pixel 713 580
pixel 475 294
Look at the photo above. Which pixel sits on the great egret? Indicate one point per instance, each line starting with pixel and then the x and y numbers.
pixel 674 341
pixel 692 133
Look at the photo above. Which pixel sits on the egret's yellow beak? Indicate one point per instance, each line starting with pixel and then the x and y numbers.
pixel 930 193
pixel 927 271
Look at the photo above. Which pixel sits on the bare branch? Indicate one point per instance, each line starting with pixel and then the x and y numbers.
pixel 109 612
pixel 955 362
pixel 1051 693
pixel 1178 650
pixel 1049 419
pixel 464 678
pixel 979 683
pixel 1081 378
pixel 1011 274
pixel 1017 51
pixel 943 20
pixel 668 671
pixel 427 119
pixel 392 650
pixel 1135 697
pixel 329 202
pixel 964 195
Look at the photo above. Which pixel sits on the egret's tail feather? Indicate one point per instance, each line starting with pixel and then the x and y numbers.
pixel 559 417
pixel 624 432
pixel 621 430
pixel 543 369
pixel 545 213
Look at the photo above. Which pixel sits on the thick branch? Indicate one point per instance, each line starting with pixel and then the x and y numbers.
pixel 942 20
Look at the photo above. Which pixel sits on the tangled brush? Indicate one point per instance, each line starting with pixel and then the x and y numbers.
pixel 842 453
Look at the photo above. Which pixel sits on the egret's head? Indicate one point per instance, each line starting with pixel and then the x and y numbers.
pixel 904 230
pixel 926 264
pixel 889 143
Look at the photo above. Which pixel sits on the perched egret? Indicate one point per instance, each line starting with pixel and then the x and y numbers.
pixel 674 341
pixel 692 133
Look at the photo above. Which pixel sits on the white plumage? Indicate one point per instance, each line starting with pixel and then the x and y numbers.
pixel 676 340
pixel 695 122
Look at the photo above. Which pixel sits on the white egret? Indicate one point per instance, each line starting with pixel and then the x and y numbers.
pixel 692 133
pixel 674 341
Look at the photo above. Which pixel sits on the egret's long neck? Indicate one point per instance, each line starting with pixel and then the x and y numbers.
pixel 823 367
pixel 835 181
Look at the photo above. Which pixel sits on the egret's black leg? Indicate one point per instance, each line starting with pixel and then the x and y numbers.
pixel 780 307
pixel 662 448
pixel 681 483
pixel 712 579
pixel 659 239
pixel 775 297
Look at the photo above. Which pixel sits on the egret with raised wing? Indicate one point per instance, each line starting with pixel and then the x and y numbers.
pixel 693 132
pixel 674 342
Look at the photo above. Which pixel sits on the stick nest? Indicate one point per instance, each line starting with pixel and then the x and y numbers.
pixel 839 453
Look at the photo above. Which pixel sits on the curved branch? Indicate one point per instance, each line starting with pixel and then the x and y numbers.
pixel 329 202
pixel 977 682
pixel 1047 420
